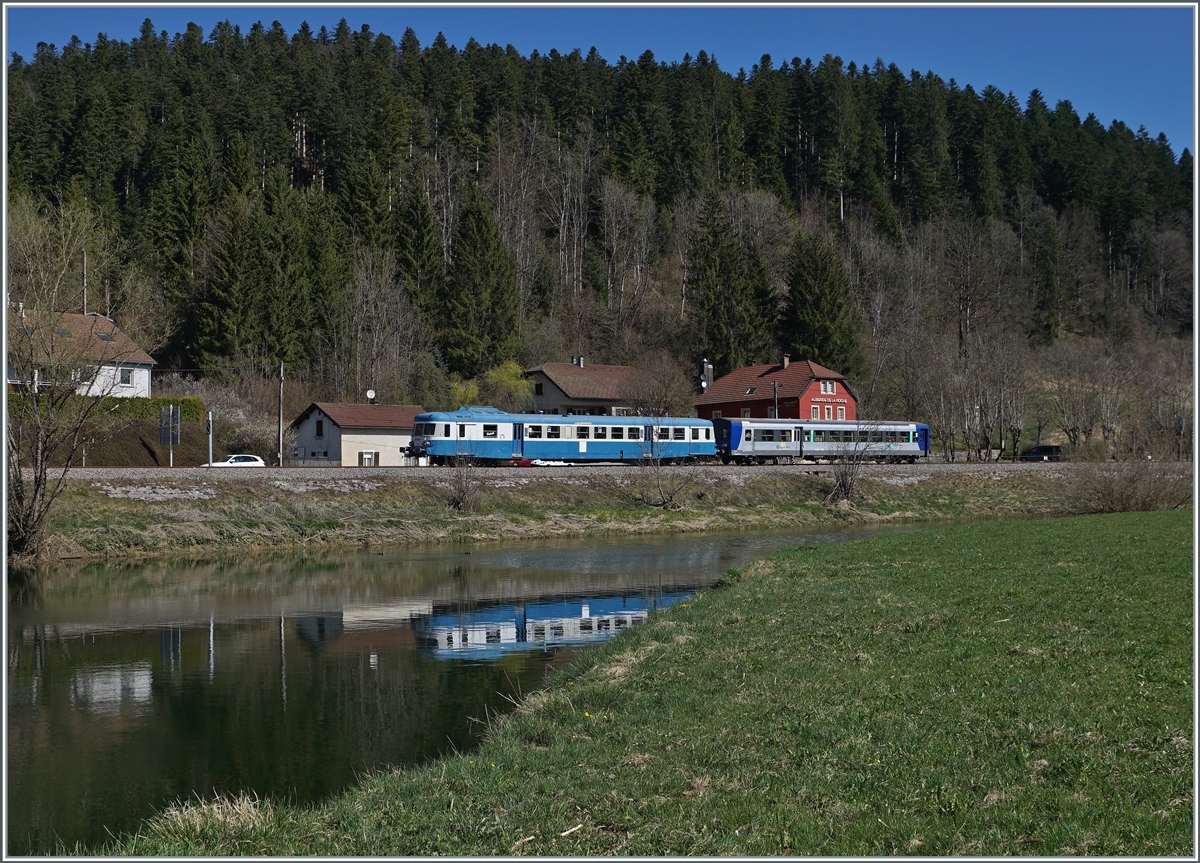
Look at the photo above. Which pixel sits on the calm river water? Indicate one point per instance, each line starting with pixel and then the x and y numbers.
pixel 132 686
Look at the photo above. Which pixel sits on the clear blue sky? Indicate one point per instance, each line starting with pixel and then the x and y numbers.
pixel 1134 63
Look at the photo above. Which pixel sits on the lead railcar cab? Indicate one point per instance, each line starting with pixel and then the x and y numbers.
pixel 488 435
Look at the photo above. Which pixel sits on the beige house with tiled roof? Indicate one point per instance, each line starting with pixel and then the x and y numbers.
pixel 89 351
pixel 580 388
pixel 351 434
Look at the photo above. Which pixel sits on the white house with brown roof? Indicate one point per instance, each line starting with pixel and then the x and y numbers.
pixel 351 434
pixel 579 388
pixel 88 351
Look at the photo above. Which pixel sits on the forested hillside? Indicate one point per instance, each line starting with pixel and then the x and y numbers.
pixel 380 214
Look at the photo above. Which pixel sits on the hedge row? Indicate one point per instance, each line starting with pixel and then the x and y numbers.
pixel 191 408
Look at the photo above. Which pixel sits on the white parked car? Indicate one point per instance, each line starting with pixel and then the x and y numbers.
pixel 237 461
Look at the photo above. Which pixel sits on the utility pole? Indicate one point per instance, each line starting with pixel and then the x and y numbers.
pixel 85 281
pixel 280 454
pixel 775 385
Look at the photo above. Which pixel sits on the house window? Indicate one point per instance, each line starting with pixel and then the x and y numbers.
pixel 828 388
pixel 537 390
pixel 841 413
pixel 716 415
pixel 126 377
pixel 320 428
pixel 751 391
pixel 828 412
pixel 489 431
pixel 816 412
pixel 104 337
pixel 745 413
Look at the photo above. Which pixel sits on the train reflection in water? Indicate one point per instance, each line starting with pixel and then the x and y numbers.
pixel 482 634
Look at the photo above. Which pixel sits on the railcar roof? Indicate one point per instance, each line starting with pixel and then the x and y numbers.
pixel 488 414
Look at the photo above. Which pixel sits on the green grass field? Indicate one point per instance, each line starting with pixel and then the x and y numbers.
pixel 999 689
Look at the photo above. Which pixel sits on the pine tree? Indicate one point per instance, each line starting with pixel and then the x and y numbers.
pixel 478 326
pixel 419 248
pixel 731 290
pixel 820 317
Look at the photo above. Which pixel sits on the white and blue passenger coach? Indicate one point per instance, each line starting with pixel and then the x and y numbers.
pixel 489 435
pixel 783 440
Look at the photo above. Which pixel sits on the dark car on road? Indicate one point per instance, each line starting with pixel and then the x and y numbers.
pixel 1044 452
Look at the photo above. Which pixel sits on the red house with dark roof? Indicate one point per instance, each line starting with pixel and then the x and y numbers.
pixel 801 390
pixel 579 388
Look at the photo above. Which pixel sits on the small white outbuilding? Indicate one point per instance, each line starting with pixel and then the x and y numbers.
pixel 354 435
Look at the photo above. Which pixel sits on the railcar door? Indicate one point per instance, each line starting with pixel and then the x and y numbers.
pixel 518 440
pixel 798 441
pixel 923 439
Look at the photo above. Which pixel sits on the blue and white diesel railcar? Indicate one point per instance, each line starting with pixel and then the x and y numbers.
pixel 759 440
pixel 492 436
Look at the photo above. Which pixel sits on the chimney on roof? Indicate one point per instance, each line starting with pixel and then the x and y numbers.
pixel 787 358
pixel 577 361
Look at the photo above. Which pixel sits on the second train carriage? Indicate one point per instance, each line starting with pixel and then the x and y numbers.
pixel 759 440
pixel 490 435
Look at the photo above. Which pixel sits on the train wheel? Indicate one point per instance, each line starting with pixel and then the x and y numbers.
pixel 726 458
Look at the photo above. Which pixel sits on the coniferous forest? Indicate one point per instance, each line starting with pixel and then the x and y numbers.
pixel 385 214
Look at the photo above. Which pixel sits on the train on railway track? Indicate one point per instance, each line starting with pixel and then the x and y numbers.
pixel 486 435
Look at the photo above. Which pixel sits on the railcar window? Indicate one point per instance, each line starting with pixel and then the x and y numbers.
pixel 766 435
pixel 695 434
pixel 430 429
pixel 708 434
pixel 446 430
pixel 601 432
pixel 462 431
pixel 618 433
pixel 582 432
pixel 635 433
pixel 677 433
pixel 748 433
pixel 785 436
pixel 489 431
pixel 875 436
pixel 890 436
pixel 819 436
pixel 553 431
pixel 664 433
pixel 533 431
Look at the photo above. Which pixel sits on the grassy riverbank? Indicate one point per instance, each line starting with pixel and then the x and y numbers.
pixel 211 514
pixel 1019 688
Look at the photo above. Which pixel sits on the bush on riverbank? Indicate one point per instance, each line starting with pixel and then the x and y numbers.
pixel 986 689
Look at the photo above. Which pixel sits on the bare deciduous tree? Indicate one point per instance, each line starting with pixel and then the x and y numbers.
pixel 62 364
